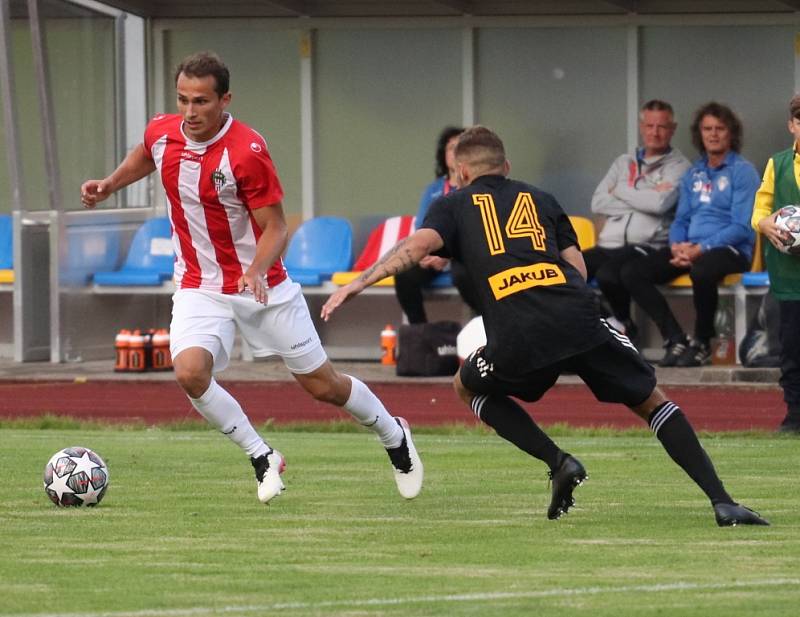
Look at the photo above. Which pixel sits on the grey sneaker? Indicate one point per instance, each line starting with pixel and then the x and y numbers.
pixel 675 349
pixel 697 354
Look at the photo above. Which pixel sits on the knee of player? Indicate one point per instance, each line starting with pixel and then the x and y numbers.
pixel 461 391
pixel 193 380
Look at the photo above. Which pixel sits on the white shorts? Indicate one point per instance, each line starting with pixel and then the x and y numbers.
pixel 283 327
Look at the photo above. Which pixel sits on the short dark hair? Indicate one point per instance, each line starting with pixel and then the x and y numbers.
pixel 657 105
pixel 794 107
pixel 445 136
pixel 482 145
pixel 202 64
pixel 726 116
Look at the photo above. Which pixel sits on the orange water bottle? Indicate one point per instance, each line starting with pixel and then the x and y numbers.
pixel 389 345
pixel 161 359
pixel 137 360
pixel 122 346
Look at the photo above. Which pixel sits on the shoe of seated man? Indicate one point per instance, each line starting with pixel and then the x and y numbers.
pixel 268 468
pixel 732 514
pixel 697 354
pixel 569 474
pixel 674 351
pixel 407 466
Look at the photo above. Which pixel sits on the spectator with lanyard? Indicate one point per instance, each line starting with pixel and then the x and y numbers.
pixel 636 199
pixel 710 237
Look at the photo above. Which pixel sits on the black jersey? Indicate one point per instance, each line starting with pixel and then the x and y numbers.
pixel 536 307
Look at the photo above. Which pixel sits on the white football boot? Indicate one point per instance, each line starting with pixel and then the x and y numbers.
pixel 269 468
pixel 407 465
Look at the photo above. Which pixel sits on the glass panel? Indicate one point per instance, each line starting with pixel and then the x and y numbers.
pixel 265 84
pixel 381 98
pixel 81 56
pixel 79 48
pixel 750 68
pixel 556 96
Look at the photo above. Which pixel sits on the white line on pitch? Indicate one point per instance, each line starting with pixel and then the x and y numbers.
pixel 459 597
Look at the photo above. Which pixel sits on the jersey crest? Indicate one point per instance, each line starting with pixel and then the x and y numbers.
pixel 218 178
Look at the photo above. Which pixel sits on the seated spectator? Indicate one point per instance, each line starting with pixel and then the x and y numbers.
pixel 637 199
pixel 408 285
pixel 710 237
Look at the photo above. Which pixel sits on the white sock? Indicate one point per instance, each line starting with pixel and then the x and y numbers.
pixel 367 408
pixel 224 413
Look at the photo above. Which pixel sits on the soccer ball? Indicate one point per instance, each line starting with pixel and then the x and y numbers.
pixel 75 477
pixel 788 219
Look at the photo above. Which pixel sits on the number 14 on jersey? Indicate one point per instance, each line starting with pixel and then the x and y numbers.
pixel 523 222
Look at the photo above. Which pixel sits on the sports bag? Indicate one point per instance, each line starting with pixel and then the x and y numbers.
pixel 760 346
pixel 427 349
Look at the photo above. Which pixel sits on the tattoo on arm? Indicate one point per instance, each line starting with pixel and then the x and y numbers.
pixel 397 259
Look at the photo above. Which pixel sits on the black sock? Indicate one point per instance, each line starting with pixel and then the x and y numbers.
pixel 679 440
pixel 513 424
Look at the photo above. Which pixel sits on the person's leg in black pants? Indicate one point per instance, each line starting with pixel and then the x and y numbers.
pixel 640 278
pixel 594 258
pixel 789 334
pixel 610 282
pixel 408 289
pixel 706 273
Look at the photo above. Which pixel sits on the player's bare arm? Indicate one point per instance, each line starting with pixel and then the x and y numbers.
pixel 134 167
pixel 270 246
pixel 400 257
pixel 574 257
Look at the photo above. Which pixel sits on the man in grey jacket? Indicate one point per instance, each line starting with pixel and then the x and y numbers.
pixel 637 199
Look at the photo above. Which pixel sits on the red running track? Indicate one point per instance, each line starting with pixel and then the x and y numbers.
pixel 710 408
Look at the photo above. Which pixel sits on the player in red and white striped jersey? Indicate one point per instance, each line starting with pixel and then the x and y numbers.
pixel 229 231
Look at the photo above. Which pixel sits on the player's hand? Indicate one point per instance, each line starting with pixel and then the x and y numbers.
pixel 339 297
pixel 433 262
pixel 772 232
pixel 255 284
pixel 95 191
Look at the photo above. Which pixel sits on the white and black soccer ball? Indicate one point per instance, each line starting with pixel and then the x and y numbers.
pixel 75 477
pixel 788 219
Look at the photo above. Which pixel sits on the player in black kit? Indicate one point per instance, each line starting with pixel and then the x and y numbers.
pixel 523 258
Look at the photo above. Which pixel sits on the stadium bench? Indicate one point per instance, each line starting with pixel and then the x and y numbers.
pixel 150 259
pixel 319 247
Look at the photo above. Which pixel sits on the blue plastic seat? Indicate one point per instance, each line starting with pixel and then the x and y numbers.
pixel 442 280
pixel 87 249
pixel 319 247
pixel 755 279
pixel 150 260
pixel 6 242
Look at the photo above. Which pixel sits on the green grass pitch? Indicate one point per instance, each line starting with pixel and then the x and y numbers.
pixel 181 533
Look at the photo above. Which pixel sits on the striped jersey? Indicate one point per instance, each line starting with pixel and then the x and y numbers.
pixel 212 189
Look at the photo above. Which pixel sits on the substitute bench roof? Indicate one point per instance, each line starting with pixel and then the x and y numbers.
pixel 441 8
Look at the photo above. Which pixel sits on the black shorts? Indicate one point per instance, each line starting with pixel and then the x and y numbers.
pixel 614 372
